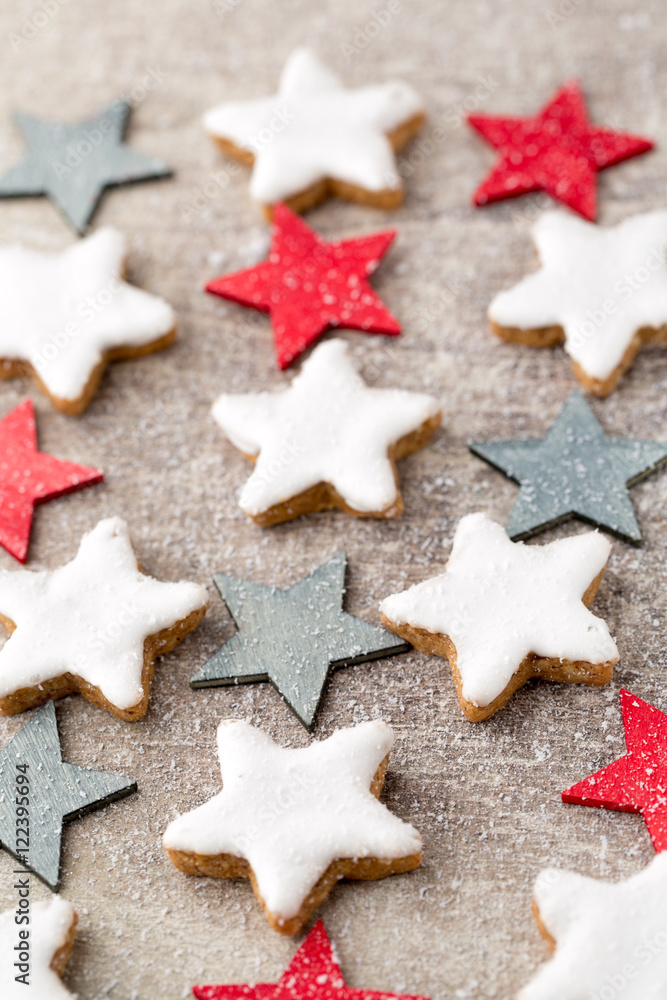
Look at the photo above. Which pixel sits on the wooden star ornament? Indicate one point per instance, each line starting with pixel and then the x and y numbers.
pixel 29 477
pixel 308 285
pixel 556 150
pixel 637 782
pixel 312 973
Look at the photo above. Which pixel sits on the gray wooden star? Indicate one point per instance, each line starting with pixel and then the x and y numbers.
pixel 57 792
pixel 575 471
pixel 293 637
pixel 73 164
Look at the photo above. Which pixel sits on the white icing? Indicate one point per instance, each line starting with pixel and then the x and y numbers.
pixel 611 938
pixel 62 311
pixel 600 284
pixel 290 813
pixel 500 600
pixel 314 128
pixel 50 923
pixel 329 426
pixel 89 617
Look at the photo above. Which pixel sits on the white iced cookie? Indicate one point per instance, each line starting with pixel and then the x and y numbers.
pixel 63 316
pixel 327 441
pixel 296 821
pixel 601 290
pixel 315 138
pixel 93 626
pixel 503 612
pixel 610 939
pixel 46 949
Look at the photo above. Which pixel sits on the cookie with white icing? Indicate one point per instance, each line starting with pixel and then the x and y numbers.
pixel 48 941
pixel 315 138
pixel 601 291
pixel 296 821
pixel 503 612
pixel 610 939
pixel 94 627
pixel 327 441
pixel 65 316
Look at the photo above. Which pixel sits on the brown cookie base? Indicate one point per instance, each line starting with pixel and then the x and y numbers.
pixel 560 671
pixel 324 496
pixel 59 687
pixel 329 187
pixel 549 938
pixel 12 368
pixel 549 336
pixel 230 866
pixel 61 957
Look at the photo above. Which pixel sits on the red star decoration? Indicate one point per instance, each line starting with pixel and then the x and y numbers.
pixel 636 783
pixel 308 285
pixel 29 477
pixel 313 974
pixel 557 151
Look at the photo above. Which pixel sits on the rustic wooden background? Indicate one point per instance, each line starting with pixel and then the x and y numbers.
pixel 487 797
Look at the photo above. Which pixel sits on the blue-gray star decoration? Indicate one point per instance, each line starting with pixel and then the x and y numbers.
pixel 32 769
pixel 73 164
pixel 293 637
pixel 575 471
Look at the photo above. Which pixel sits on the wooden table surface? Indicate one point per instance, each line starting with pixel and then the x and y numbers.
pixel 485 797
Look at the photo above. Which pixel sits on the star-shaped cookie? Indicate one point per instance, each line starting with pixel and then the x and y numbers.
pixel 293 637
pixel 503 612
pixel 574 471
pixel 327 441
pixel 314 138
pixel 556 150
pixel 308 285
pixel 73 164
pixel 603 291
pixel 637 782
pixel 29 477
pixel 48 941
pixel 39 793
pixel 609 938
pixel 296 821
pixel 312 973
pixel 94 627
pixel 64 316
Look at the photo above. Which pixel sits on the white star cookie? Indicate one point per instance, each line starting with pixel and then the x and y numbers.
pixel 610 939
pixel 64 316
pixel 602 291
pixel 327 441
pixel 503 612
pixel 315 138
pixel 49 941
pixel 93 626
pixel 296 821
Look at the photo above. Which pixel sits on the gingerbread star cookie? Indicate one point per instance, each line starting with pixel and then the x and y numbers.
pixel 33 955
pixel 601 291
pixel 503 612
pixel 308 285
pixel 327 441
pixel 296 821
pixel 609 938
pixel 636 782
pixel 93 627
pixel 556 150
pixel 64 316
pixel 312 973
pixel 315 138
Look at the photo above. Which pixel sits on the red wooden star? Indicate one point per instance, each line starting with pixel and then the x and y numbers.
pixel 29 477
pixel 557 151
pixel 636 783
pixel 313 974
pixel 308 285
